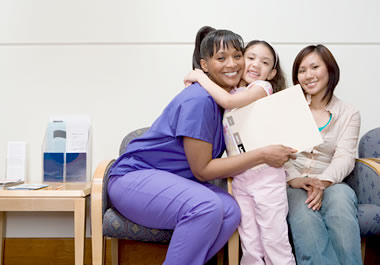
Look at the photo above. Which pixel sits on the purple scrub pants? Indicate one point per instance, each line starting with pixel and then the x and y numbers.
pixel 202 215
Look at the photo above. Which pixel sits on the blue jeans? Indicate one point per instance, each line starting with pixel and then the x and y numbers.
pixel 330 235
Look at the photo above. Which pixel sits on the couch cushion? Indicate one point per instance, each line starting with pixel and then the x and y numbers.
pixel 117 226
pixel 369 219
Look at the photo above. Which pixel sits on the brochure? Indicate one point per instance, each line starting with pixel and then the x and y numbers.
pixel 11 181
pixel 28 187
pixel 6 183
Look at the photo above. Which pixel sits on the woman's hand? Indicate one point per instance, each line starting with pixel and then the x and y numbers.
pixel 314 188
pixel 315 195
pixel 278 155
pixel 193 76
pixel 306 183
pixel 314 198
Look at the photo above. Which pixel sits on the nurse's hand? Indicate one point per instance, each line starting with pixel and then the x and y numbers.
pixel 278 155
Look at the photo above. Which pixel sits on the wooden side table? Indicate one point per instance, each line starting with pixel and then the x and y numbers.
pixel 57 197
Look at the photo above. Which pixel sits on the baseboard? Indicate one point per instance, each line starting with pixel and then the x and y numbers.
pixel 60 251
pixel 42 251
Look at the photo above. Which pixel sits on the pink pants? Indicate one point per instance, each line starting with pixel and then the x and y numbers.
pixel 261 195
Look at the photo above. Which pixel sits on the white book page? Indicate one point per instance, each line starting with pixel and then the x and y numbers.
pixel 282 118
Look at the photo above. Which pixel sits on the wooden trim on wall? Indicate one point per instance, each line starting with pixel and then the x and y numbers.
pixel 60 251
pixel 42 251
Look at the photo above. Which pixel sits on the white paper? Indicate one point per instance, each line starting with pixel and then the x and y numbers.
pixel 16 149
pixel 282 118
pixel 16 161
pixel 77 132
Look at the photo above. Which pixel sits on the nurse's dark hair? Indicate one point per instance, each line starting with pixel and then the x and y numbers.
pixel 209 40
pixel 278 82
pixel 328 59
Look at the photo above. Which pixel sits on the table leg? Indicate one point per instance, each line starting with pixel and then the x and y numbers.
pixel 79 230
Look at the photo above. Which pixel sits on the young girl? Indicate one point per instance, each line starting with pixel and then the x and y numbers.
pixel 259 191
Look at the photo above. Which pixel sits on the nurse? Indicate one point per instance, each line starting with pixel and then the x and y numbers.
pixel 161 179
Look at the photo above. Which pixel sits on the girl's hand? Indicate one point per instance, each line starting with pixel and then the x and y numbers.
pixel 193 76
pixel 187 83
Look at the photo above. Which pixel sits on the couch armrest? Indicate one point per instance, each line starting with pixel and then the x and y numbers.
pixel 376 159
pixel 97 209
pixel 229 185
pixel 365 181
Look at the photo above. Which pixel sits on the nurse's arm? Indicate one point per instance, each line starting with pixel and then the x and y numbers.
pixel 204 167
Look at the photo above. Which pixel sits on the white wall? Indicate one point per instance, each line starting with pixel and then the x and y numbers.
pixel 121 61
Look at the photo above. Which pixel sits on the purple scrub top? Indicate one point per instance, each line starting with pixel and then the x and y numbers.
pixel 192 113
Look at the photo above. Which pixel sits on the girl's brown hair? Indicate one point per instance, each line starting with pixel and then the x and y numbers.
pixel 278 82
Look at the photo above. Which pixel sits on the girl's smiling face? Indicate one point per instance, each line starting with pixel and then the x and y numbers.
pixel 259 62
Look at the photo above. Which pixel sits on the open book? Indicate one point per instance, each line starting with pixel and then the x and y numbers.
pixel 282 118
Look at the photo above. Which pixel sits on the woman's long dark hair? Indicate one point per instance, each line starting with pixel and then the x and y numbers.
pixel 328 59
